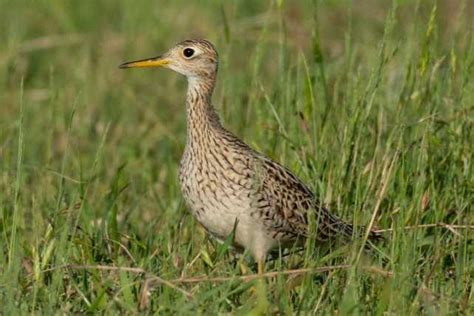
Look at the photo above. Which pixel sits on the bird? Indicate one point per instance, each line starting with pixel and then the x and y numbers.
pixel 229 187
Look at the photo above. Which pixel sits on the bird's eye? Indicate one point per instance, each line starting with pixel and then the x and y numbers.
pixel 188 52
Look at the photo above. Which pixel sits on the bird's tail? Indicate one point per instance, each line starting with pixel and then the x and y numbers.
pixel 374 235
pixel 331 226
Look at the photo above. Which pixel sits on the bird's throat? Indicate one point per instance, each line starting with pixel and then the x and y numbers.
pixel 202 118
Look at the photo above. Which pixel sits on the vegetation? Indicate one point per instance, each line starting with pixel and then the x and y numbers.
pixel 370 102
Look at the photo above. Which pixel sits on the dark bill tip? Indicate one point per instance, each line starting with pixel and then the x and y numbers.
pixel 124 66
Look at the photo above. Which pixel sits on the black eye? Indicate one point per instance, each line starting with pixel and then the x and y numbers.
pixel 188 52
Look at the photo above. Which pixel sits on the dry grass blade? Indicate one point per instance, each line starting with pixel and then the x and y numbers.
pixel 251 277
pixel 245 278
pixel 148 276
pixel 450 227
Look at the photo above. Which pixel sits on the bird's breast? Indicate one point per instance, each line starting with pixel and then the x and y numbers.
pixel 217 186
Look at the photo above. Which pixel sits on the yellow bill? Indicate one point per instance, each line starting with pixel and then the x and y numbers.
pixel 145 63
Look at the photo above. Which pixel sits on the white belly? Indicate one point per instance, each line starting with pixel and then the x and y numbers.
pixel 221 205
pixel 219 212
pixel 219 196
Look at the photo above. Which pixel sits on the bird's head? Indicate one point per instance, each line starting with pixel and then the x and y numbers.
pixel 192 58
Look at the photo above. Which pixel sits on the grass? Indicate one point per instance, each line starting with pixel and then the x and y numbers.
pixel 370 103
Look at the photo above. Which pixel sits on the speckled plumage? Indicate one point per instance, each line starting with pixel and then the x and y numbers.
pixel 227 184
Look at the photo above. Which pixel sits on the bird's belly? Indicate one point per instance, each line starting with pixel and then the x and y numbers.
pixel 217 210
pixel 233 218
pixel 221 204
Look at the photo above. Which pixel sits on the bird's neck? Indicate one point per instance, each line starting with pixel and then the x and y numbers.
pixel 202 118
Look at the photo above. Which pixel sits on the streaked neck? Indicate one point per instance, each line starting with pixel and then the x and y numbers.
pixel 201 115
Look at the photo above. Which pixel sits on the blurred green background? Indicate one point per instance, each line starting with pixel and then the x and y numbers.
pixel 370 102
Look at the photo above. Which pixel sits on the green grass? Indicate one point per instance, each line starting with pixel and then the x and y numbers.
pixel 369 102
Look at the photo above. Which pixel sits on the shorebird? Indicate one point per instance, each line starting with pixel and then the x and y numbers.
pixel 229 187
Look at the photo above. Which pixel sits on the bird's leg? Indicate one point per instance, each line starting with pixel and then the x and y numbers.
pixel 259 290
pixel 261 267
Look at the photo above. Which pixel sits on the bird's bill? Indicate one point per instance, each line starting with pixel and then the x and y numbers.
pixel 146 63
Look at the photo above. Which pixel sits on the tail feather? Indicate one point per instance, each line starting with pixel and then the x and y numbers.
pixel 331 226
